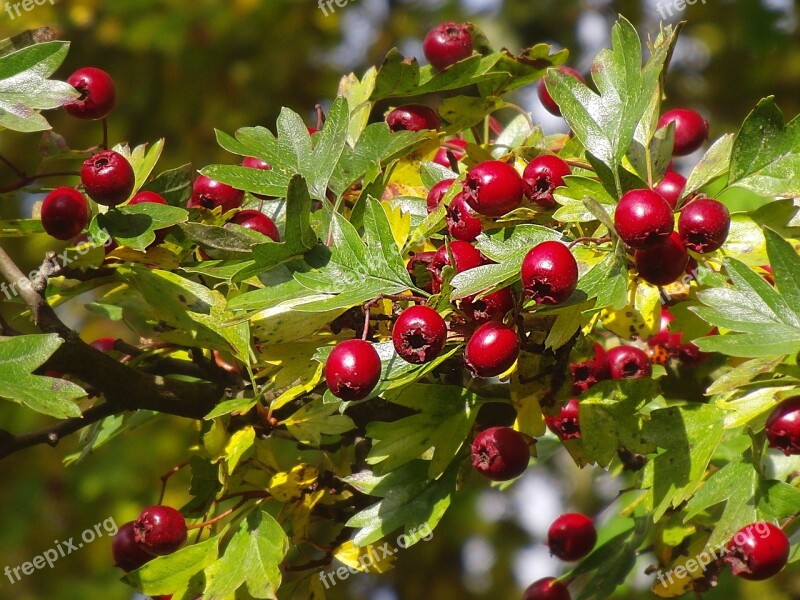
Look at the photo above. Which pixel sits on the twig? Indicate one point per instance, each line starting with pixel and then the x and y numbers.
pixel 165 478
pixel 24 180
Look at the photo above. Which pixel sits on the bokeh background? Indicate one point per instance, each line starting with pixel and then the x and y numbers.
pixel 184 67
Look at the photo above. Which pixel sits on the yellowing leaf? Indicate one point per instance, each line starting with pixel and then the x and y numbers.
pixel 215 440
pixel 640 318
pixel 290 485
pixel 240 443
pixel 368 559
pixel 400 223
pixel 316 418
pixel 677 580
pixel 525 395
pixel 296 364
pixel 158 256
pixel 406 173
pixel 298 390
pixel 301 515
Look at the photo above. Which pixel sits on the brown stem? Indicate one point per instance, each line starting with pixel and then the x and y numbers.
pixel 24 180
pixel 220 516
pixel 165 479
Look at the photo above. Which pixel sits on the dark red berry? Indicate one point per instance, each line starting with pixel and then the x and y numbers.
pixel 418 267
pixel 500 453
pixel 128 555
pixel 462 222
pixel 671 342
pixel 160 530
pixel 210 193
pixel 251 162
pixel 151 198
pixel 412 117
pixel 643 219
pixel 548 588
pixel 671 187
pixel 419 334
pixel 783 427
pixel 571 536
pixel 257 221
pixel 589 372
pixel 704 224
pixel 543 175
pixel 454 148
pixel 758 551
pixel 97 94
pixel 691 130
pixel 447 43
pixel 104 344
pixel 664 263
pixel 566 424
pixel 629 362
pixel 65 213
pixel 491 307
pixel 544 95
pixel 108 178
pixel 493 188
pixel 492 349
pixel 465 256
pixel 549 273
pixel 352 370
pixel 437 193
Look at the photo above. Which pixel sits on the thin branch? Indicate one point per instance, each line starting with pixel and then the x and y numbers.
pixel 24 180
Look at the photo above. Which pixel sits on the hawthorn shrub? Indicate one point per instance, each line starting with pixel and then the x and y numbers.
pixel 353 347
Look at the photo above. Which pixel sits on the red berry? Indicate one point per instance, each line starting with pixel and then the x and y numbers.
pixel 443 154
pixel 664 263
pixel 629 362
pixel 97 94
pixel 65 213
pixel 544 95
pixel 665 338
pixel 704 225
pixel 257 221
pixel 437 193
pixel 210 193
pixel 108 178
pixel 589 372
pixel 571 536
pixel 566 424
pixel 419 334
pixel 128 555
pixel 412 117
pixel 491 350
pixel 462 222
pixel 543 175
pixel 548 588
pixel 465 255
pixel 491 307
pixel 251 162
pixel 500 453
pixel 758 551
pixel 160 530
pixel 643 219
pixel 152 198
pixel 549 273
pixel 352 370
pixel 104 344
pixel 493 188
pixel 783 427
pixel 691 130
pixel 447 43
pixel 671 187
pixel 418 267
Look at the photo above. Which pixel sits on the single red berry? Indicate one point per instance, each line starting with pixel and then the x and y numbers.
pixel 65 213
pixel 664 263
pixel 454 148
pixel 543 175
pixel 671 187
pixel 665 338
pixel 758 551
pixel 419 334
pixel 312 130
pixel 447 43
pixel 544 94
pixel 145 197
pixel 493 188
pixel 128 555
pixel 691 130
pixel 437 193
pixel 412 117
pixel 548 588
pixel 97 94
pixel 210 193
pixel 465 256
pixel 352 370
pixel 629 362
pixel 783 427
pixel 491 307
pixel 104 344
pixel 160 530
pixel 643 219
pixel 704 224
pixel 108 178
pixel 500 453
pixel 571 536
pixel 462 222
pixel 418 267
pixel 251 162
pixel 257 221
pixel 767 274
pixel 589 372
pixel 566 424
pixel 549 273
pixel 492 349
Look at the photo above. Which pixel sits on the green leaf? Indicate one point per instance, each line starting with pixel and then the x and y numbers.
pixel 20 227
pixel 316 419
pixel 29 37
pixel 165 574
pixel 572 194
pixel 174 185
pixel 607 281
pixel 102 432
pixel 786 269
pixel 135 226
pixel 715 163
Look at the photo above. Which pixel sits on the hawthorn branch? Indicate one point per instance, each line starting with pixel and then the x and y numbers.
pixel 24 180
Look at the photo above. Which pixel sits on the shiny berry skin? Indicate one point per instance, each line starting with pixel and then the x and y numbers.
pixel 65 213
pixel 783 427
pixel 108 178
pixel 704 224
pixel 210 193
pixel 146 197
pixel 251 162
pixel 419 334
pixel 257 221
pixel 589 372
pixel 691 130
pixel 412 117
pixel 437 193
pixel 671 187
pixel 549 273
pixel 566 424
pixel 352 370
pixel 492 349
pixel 97 94
pixel 462 222
pixel 571 536
pixel 544 95
pixel 493 188
pixel 491 307
pixel 442 155
pixel 662 264
pixel 643 219
pixel 543 175
pixel 160 530
pixel 128 555
pixel 758 551
pixel 447 43
pixel 500 453
pixel 465 256
pixel 628 362
pixel 548 588
pixel 418 267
